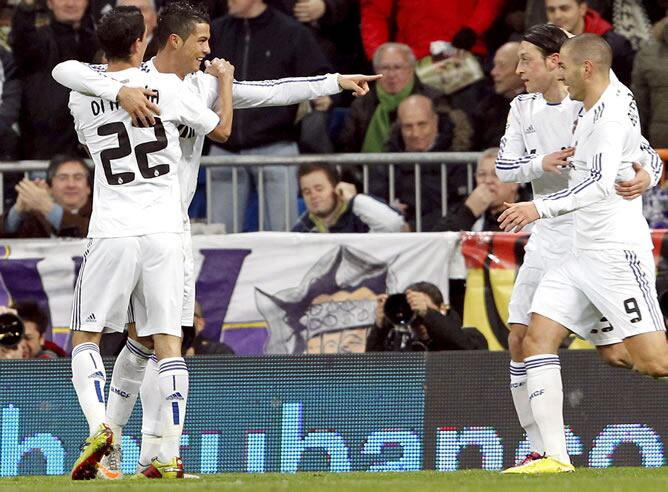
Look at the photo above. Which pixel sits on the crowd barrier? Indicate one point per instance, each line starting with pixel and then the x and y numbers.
pixel 366 161
pixel 353 412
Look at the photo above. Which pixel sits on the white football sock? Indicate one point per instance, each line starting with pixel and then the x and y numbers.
pixel 546 395
pixel 518 390
pixel 125 382
pixel 151 402
pixel 89 378
pixel 173 381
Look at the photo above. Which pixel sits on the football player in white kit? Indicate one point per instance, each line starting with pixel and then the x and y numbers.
pixel 135 362
pixel 535 149
pixel 135 250
pixel 611 270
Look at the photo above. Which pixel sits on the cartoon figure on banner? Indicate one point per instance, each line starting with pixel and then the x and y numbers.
pixel 333 307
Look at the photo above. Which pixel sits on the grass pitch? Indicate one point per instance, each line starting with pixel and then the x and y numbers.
pixel 587 480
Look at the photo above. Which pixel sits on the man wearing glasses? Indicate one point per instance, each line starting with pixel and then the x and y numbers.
pixel 485 203
pixel 368 125
pixel 58 207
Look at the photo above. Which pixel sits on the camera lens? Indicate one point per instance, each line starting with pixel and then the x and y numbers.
pixel 11 329
pixel 397 310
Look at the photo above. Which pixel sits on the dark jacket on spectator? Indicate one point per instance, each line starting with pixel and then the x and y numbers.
pixel 461 218
pixel 650 87
pixel 419 22
pixel 489 120
pixel 47 127
pixel 10 104
pixel 362 109
pixel 622 52
pixel 337 33
pixel 445 333
pixel 269 46
pixel 430 181
pixel 35 225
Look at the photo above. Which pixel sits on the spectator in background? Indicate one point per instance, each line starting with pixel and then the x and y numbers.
pixel 367 127
pixel 419 22
pixel 650 86
pixel 433 326
pixel 335 25
pixel 482 208
pixel 203 346
pixel 46 124
pixel 12 352
pixel 10 104
pixel 35 324
pixel 59 207
pixel 18 351
pixel 150 14
pixel 576 17
pixel 420 129
pixel 490 114
pixel 262 43
pixel 335 206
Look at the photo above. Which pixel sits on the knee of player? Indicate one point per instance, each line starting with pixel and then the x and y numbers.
pixel 617 360
pixel 654 368
pixel 515 342
pixel 616 356
pixel 532 344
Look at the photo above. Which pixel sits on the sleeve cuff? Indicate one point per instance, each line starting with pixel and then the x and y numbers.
pixel 111 93
pixel 537 166
pixel 332 85
pixel 542 209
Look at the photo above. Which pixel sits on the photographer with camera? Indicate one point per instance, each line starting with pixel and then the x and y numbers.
pixel 12 343
pixel 419 320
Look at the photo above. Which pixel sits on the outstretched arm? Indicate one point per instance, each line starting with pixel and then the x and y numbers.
pixel 293 90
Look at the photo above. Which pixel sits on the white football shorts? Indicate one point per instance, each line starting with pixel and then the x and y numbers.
pixel 616 284
pixel 144 272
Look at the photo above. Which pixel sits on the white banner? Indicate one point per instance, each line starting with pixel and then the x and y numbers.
pixel 261 292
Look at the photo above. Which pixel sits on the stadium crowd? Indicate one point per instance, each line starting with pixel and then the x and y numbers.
pixel 419 46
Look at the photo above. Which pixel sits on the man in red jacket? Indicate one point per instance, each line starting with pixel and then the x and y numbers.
pixel 576 17
pixel 419 22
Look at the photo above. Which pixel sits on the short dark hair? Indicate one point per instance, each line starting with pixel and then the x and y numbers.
pixel 179 18
pixel 59 160
pixel 30 311
pixel 330 171
pixel 548 38
pixel 430 289
pixel 589 46
pixel 118 30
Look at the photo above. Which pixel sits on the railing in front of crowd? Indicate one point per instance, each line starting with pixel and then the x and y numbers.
pixel 391 160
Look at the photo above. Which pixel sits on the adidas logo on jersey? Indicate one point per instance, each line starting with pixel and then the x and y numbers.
pixel 96 375
pixel 91 318
pixel 175 396
pixel 531 129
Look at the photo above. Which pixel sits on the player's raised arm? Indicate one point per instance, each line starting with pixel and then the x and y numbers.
pixel 224 72
pixel 515 163
pixel 92 81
